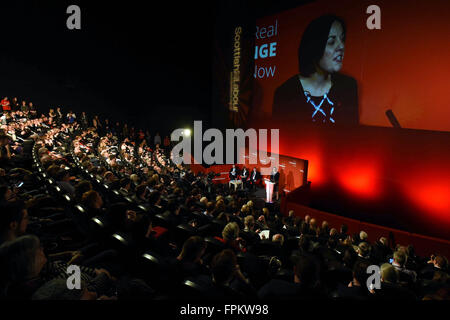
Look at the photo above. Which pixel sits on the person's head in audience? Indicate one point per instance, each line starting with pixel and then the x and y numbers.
pixel 220 205
pixel 313 224
pixel 249 223
pixel 223 217
pixel 266 213
pixel 244 210
pixel 21 259
pixel 363 249
pixel 278 238
pixel 384 241
pixel 332 243
pixel 344 229
pixel 230 231
pixel 307 219
pixel 134 178
pixel 62 175
pixel 7 194
pixel 109 177
pixel 223 267
pixel 410 252
pixel 125 183
pixel 13 220
pixel 210 208
pixel 92 199
pixel 117 214
pixel 349 257
pixel 193 250
pixel 440 262
pixel 360 274
pixel 305 272
pixel 363 237
pixel 303 228
pixel 141 191
pixel 204 201
pixel 82 187
pixel 333 233
pixel 388 273
pixel 399 258
pixel 154 197
pixel 304 243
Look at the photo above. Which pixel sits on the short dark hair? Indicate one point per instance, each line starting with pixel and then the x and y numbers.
pixel 223 266
pixel 192 248
pixel 360 272
pixel 124 182
pixel 140 189
pixel 314 40
pixel 306 271
pixel 344 228
pixel 11 212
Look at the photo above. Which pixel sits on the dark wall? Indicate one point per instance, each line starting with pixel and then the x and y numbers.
pixel 127 61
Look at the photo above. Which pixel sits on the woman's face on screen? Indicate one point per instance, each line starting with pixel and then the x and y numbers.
pixel 333 55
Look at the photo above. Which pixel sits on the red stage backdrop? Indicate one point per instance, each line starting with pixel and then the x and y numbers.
pixel 403 66
pixel 396 177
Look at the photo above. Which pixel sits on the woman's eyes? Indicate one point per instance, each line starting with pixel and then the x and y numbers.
pixel 332 42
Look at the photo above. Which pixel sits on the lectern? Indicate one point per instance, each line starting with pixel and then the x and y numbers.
pixel 269 190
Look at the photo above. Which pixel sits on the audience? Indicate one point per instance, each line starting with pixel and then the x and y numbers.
pixel 104 196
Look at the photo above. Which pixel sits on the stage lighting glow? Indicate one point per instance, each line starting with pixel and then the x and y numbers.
pixel 187 132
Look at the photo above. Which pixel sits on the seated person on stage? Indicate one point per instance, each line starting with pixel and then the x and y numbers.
pixel 234 173
pixel 275 177
pixel 254 177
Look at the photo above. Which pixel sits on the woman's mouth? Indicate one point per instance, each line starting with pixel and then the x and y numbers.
pixel 339 58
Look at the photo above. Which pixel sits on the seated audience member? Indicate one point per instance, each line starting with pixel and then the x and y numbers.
pixel 13 220
pixel 125 186
pixel 343 232
pixel 6 194
pixel 230 237
pixel 363 251
pixel 363 237
pixel 381 251
pixel 405 275
pixel 140 195
pixel 322 262
pixel 189 261
pixel 81 188
pixel 437 288
pixel 63 181
pixel 303 286
pixel 225 270
pixel 390 289
pixel 93 203
pixel 248 233
pixel 25 268
pixel 436 263
pixel 357 288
